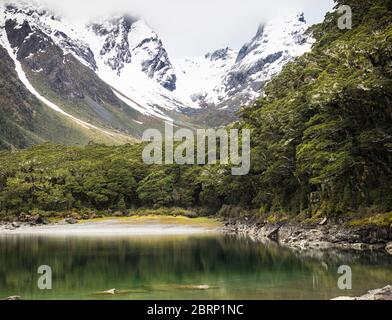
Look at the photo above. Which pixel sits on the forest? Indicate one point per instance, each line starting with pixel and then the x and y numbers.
pixel 321 145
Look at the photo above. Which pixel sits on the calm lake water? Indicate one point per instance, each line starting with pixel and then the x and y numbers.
pixel 170 267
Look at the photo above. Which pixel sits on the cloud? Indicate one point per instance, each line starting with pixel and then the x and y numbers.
pixel 194 27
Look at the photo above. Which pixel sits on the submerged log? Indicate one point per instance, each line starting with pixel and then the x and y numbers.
pixel 192 287
pixel 12 298
pixel 107 292
pixel 113 292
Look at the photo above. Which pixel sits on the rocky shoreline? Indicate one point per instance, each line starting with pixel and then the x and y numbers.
pixel 378 294
pixel 316 239
pixel 6 226
pixel 324 235
pixel 321 236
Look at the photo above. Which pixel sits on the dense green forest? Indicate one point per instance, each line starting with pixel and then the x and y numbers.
pixel 321 144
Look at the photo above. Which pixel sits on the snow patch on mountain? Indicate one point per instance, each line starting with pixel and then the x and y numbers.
pixel 138 107
pixel 198 77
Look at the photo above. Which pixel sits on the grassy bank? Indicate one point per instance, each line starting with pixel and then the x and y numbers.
pixel 196 215
pixel 366 218
pixel 207 222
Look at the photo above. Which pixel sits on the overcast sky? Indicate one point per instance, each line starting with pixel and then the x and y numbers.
pixel 194 27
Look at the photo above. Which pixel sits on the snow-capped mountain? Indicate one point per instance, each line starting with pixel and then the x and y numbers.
pixel 274 45
pixel 198 77
pixel 132 59
pixel 136 71
pixel 59 72
pixel 123 51
pixel 227 79
pixel 125 41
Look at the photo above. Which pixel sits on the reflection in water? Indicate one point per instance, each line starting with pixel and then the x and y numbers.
pixel 180 268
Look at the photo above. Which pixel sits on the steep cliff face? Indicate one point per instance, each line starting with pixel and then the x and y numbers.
pixel 126 40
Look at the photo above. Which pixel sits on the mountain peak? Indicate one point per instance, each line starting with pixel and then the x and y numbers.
pixel 220 54
pixel 284 30
pixel 112 21
pixel 301 17
pixel 30 8
pixel 260 31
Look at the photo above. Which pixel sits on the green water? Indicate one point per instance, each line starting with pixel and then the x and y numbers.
pixel 171 267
